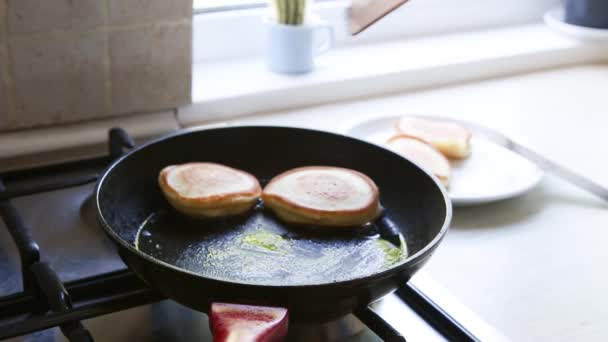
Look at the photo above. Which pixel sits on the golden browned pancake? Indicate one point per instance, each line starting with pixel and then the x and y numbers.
pixel 323 195
pixel 209 189
pixel 450 138
pixel 423 154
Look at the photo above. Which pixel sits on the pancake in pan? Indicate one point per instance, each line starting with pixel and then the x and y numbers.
pixel 207 190
pixel 324 196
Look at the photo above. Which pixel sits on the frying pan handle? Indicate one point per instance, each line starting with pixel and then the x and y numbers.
pixel 236 322
pixel 118 141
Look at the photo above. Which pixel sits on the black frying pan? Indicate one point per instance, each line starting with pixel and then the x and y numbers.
pixel 198 262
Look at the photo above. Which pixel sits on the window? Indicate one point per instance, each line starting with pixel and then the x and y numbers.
pixel 207 6
pixel 234 29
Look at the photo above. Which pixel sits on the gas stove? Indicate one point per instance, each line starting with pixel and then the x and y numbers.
pixel 61 278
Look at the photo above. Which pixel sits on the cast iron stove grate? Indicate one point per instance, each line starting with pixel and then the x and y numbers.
pixel 47 302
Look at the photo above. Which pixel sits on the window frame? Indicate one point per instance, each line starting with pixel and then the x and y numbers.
pixel 200 8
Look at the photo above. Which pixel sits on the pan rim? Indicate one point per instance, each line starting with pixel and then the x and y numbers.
pixel 394 269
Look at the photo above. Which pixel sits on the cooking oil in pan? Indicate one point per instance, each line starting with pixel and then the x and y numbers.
pixel 258 249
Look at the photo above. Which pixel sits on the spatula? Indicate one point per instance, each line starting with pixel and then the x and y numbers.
pixel 363 13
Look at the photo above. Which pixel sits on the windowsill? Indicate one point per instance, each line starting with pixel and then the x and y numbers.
pixel 242 87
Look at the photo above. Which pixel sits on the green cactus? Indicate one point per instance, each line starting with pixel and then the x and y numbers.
pixel 290 12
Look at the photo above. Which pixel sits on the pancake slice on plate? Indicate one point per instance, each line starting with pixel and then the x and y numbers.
pixel 450 138
pixel 423 154
pixel 324 196
pixel 208 190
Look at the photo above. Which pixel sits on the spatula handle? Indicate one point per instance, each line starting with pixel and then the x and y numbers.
pixel 363 13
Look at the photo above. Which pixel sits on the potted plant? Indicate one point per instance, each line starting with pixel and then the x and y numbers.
pixel 293 39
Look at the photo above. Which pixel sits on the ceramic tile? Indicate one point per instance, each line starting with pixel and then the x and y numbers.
pixel 59 77
pixel 150 67
pixel 26 16
pixel 127 12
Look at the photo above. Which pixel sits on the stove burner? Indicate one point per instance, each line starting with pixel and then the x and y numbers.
pixel 337 330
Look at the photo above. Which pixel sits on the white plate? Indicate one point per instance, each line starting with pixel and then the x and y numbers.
pixel 491 173
pixel 555 20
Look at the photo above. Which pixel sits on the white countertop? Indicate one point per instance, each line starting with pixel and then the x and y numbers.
pixel 532 267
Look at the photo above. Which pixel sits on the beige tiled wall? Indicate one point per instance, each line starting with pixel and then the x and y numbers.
pixel 149 66
pixel 3 68
pixel 128 12
pixel 65 60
